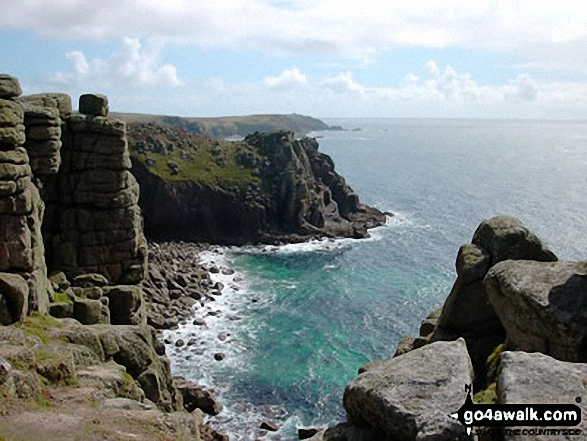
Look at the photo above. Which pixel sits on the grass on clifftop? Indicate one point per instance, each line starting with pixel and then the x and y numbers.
pixel 200 159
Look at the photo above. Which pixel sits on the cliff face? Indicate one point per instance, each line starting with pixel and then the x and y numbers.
pixel 94 222
pixel 292 193
pixel 23 276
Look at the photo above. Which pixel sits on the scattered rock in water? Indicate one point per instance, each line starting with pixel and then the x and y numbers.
pixel 271 427
pixel 167 341
pixel 218 286
pixel 199 322
pixel 192 341
pixel 196 397
pixel 222 336
pixel 214 270
pixel 227 271
pixel 219 356
pixel 255 299
pixel 307 432
pixel 234 318
pixel 179 343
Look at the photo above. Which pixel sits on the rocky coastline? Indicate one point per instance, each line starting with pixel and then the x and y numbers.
pixel 84 297
pixel 512 328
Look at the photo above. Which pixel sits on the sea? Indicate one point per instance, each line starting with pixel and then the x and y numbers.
pixel 297 321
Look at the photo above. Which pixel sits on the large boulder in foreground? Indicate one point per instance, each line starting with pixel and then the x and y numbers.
pixel 543 306
pixel 409 397
pixel 467 311
pixel 539 379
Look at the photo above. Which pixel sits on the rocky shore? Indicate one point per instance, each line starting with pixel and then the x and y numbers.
pixel 85 299
pixel 512 327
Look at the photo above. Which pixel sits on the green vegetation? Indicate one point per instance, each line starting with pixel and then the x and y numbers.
pixel 176 154
pixel 492 363
pixel 201 168
pixel 62 297
pixel 40 325
pixel 487 396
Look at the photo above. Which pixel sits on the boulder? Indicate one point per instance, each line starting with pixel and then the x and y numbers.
pixel 395 397
pixel 59 101
pixel 126 305
pixel 61 310
pixel 93 104
pixel 88 311
pixel 14 294
pixel 196 397
pixel 504 238
pixel 539 379
pixel 543 306
pixel 89 280
pixel 467 311
pixel 9 87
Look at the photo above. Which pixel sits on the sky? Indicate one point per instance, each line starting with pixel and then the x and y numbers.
pixel 325 58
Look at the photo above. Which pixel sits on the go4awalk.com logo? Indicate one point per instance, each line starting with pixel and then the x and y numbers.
pixel 562 416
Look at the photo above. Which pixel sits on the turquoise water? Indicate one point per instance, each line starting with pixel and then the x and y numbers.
pixel 324 309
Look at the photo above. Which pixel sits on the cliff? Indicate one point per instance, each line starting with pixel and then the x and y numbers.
pixel 265 189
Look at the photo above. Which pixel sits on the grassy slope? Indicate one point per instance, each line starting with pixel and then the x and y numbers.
pixel 205 160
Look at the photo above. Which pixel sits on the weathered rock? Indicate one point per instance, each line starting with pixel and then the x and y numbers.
pixel 405 345
pixel 13 135
pixel 307 432
pixel 504 238
pixel 88 311
pixel 196 397
pixel 269 426
pixel 11 113
pixel 61 309
pixel 539 379
pixel 14 295
pixel 543 306
pixel 137 349
pixel 57 364
pixel 113 378
pixel 89 280
pixel 395 397
pixel 60 279
pixel 96 224
pixel 93 104
pixel 43 139
pixel 9 87
pixel 126 305
pixel 467 311
pixel 59 101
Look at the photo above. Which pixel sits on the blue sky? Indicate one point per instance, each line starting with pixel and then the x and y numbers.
pixel 325 58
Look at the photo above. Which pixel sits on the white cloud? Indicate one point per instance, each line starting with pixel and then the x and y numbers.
pixel 452 87
pixel 344 83
pixel 317 27
pixel 132 64
pixel 287 79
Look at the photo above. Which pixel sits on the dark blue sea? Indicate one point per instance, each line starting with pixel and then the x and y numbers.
pixel 299 320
